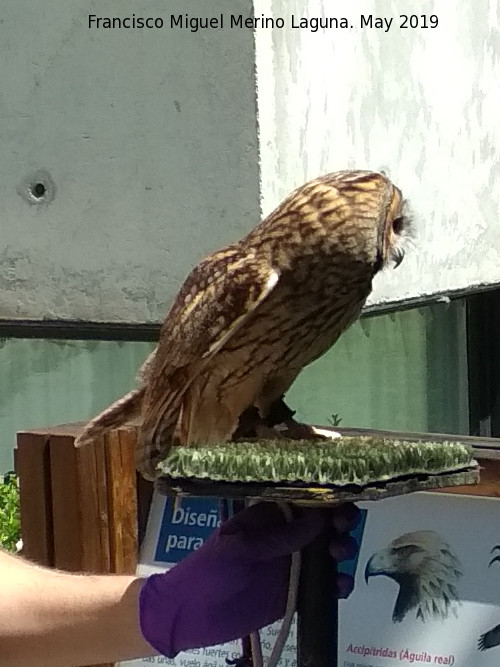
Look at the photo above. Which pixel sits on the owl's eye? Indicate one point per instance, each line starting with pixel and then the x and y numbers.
pixel 398 224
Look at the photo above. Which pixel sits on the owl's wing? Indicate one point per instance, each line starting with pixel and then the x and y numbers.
pixel 215 301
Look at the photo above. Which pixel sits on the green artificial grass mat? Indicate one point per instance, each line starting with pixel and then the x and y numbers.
pixel 340 462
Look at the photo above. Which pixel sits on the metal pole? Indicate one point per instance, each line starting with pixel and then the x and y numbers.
pixel 317 629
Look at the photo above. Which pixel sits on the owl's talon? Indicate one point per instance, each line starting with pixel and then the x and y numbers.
pixel 247 424
pixel 251 426
pixel 279 413
pixel 280 417
pixel 278 424
pixel 299 431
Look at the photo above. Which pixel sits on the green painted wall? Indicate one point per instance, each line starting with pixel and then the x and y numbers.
pixel 46 382
pixel 146 142
pixel 405 371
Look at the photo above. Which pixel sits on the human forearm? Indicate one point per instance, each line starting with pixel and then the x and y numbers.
pixel 234 584
pixel 56 618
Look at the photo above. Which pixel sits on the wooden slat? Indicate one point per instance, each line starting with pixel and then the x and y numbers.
pixel 72 429
pixel 65 504
pixel 79 509
pixel 122 502
pixel 477 443
pixel 93 507
pixel 35 498
pixel 489 484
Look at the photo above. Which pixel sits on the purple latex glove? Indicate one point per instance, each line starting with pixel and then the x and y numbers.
pixel 237 581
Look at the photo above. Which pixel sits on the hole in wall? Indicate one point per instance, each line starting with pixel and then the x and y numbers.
pixel 38 190
pixel 37 187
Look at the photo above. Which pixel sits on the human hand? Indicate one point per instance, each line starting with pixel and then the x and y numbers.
pixel 237 581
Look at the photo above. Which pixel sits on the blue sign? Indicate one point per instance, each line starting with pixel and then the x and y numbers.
pixel 185 525
pixel 187 522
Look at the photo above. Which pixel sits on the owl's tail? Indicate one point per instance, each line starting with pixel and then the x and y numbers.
pixel 121 412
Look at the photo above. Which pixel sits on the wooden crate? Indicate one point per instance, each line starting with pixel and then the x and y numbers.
pixel 86 509
pixel 80 508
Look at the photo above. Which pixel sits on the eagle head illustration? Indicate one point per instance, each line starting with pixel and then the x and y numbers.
pixel 426 570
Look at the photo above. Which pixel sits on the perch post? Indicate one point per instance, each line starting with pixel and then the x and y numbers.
pixel 319 474
pixel 317 618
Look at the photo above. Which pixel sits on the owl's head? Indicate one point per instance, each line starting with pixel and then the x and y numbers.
pixel 395 227
pixel 375 214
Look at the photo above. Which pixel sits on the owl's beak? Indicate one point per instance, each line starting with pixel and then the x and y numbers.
pixel 398 255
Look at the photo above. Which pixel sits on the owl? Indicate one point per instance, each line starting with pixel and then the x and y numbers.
pixel 252 315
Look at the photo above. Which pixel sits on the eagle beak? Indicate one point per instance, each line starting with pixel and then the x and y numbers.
pixel 368 570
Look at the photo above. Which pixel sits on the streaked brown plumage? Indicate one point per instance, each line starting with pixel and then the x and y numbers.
pixel 250 316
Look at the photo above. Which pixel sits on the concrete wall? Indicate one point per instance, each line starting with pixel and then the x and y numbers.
pixel 146 143
pixel 405 371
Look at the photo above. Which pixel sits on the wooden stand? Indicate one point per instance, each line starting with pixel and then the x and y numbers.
pixel 78 506
pixel 82 510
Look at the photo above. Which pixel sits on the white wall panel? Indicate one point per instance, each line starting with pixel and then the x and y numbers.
pixel 422 104
pixel 147 142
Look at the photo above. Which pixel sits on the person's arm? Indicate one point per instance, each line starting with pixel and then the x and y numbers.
pixel 50 618
pixel 234 584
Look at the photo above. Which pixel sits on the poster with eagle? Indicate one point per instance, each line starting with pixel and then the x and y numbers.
pixel 427 584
